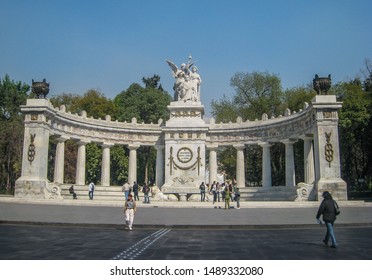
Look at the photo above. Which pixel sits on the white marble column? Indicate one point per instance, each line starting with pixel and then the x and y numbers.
pixel 105 174
pixel 266 164
pixel 212 164
pixel 59 161
pixel 132 172
pixel 80 163
pixel 290 174
pixel 309 172
pixel 159 165
pixel 240 167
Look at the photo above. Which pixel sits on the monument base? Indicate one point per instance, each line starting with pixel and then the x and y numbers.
pixel 36 189
pixel 182 193
pixel 336 186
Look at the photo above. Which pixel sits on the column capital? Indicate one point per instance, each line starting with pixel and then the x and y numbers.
pixel 81 142
pixel 107 145
pixel 289 141
pixel 212 147
pixel 133 146
pixel 62 138
pixel 239 146
pixel 265 144
pixel 307 137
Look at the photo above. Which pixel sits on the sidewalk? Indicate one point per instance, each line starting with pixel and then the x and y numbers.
pixel 179 214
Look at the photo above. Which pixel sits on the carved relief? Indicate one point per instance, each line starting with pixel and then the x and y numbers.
pixel 184 155
pixel 328 149
pixel 327 115
pixel 183 180
pixel 31 148
pixel 187 114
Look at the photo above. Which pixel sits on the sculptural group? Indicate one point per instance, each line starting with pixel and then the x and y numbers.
pixel 187 81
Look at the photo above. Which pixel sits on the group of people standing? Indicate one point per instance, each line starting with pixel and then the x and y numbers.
pixel 221 191
pixel 128 189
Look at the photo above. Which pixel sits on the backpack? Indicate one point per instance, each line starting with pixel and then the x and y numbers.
pixel 337 209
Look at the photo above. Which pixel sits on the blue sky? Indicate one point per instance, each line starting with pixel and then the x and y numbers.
pixel 107 45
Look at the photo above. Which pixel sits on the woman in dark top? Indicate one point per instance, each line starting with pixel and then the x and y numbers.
pixel 328 209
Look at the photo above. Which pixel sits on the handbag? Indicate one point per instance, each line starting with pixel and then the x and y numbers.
pixel 337 209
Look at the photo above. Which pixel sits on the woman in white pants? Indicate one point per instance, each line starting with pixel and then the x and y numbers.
pixel 129 211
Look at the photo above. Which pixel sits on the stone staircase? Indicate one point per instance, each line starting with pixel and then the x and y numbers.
pixel 115 194
pixel 270 194
pixel 112 193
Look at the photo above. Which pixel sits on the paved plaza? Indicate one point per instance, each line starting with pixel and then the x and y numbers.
pixel 26 242
pixel 88 232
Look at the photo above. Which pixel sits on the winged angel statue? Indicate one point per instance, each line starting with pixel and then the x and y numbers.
pixel 187 81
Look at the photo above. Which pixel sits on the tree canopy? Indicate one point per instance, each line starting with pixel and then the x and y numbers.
pixel 12 96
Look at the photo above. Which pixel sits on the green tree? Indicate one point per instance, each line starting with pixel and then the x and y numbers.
pixel 147 104
pixel 295 98
pixel 95 104
pixel 93 163
pixel 12 96
pixel 224 110
pixel 69 100
pixel 257 93
pixel 119 165
pixel 355 130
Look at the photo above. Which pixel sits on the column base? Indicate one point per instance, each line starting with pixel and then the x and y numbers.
pixel 36 189
pixel 336 186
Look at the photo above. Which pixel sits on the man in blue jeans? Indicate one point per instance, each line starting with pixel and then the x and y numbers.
pixel 328 209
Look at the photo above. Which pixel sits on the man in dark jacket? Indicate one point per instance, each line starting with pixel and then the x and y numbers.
pixel 328 209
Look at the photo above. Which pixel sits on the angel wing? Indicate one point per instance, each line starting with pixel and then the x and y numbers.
pixel 173 67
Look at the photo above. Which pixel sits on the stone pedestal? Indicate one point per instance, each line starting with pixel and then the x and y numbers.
pixel 185 139
pixel 33 182
pixel 326 148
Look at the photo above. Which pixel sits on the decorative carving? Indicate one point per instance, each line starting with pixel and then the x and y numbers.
pixel 187 114
pixel 328 148
pixel 170 160
pixel 327 115
pixel 184 155
pixel 304 191
pixel 183 158
pixel 31 148
pixel 34 117
pixel 183 180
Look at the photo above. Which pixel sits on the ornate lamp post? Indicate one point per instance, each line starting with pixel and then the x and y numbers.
pixel 322 84
pixel 41 89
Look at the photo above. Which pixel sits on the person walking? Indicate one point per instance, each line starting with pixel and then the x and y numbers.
pixel 146 191
pixel 130 208
pixel 237 197
pixel 328 209
pixel 126 189
pixel 227 197
pixel 135 191
pixel 202 191
pixel 91 190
